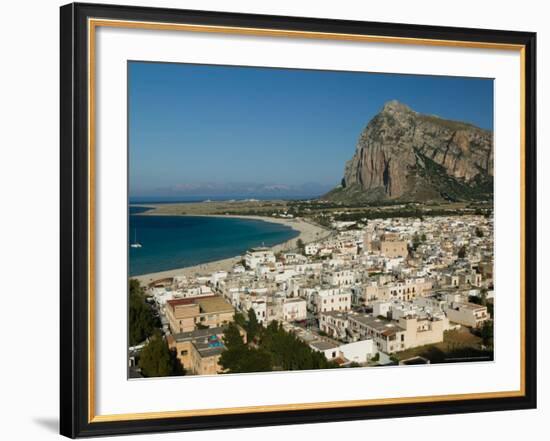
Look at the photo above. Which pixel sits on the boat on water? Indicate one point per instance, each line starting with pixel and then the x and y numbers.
pixel 135 243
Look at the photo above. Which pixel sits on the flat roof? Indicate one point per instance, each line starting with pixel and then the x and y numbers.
pixel 339 314
pixel 471 305
pixel 294 300
pixel 214 304
pixel 188 300
pixel 198 333
pixel 206 350
pixel 323 345
pixel 258 249
pixel 380 325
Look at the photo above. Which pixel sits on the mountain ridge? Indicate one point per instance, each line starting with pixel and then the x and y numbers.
pixel 405 155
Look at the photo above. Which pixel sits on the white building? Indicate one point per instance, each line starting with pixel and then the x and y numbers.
pixel 381 309
pixel 329 349
pixel 342 277
pixel 311 249
pixel 327 300
pixel 217 277
pixel 359 351
pixel 294 310
pixel 334 324
pixel 259 306
pixel 258 256
pixel 467 314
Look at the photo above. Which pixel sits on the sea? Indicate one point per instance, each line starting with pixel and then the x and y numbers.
pixel 170 242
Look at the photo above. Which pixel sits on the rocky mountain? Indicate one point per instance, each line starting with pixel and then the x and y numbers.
pixel 408 156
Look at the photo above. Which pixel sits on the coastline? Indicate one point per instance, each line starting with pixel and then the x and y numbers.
pixel 308 232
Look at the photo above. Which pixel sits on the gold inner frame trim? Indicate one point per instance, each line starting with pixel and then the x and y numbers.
pixel 92 25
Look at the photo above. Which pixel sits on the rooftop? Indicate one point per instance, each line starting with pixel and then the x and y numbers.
pixel 198 334
pixel 294 300
pixel 381 325
pixel 338 314
pixel 472 306
pixel 214 304
pixel 188 300
pixel 323 345
pixel 206 350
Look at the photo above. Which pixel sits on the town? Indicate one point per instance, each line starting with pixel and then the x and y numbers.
pixel 371 292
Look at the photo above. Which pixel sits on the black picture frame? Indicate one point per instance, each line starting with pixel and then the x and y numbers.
pixel 74 325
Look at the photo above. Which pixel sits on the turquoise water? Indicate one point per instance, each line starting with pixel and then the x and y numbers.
pixel 170 242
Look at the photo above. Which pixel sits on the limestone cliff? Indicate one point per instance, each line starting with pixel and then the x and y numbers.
pixel 405 155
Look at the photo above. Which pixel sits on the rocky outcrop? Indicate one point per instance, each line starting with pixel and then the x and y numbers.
pixel 405 155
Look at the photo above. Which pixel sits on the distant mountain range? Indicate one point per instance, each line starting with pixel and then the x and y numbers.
pixel 238 190
pixel 403 155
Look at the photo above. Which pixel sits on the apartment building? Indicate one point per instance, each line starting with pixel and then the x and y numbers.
pixel 401 290
pixel 467 314
pixel 198 351
pixel 294 309
pixel 392 246
pixel 339 277
pixel 258 256
pixel 334 324
pixel 407 332
pixel 325 300
pixel 185 315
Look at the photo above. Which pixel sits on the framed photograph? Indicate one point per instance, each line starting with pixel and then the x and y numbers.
pixel 277 220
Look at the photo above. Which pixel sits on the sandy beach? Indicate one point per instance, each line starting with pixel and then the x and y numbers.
pixel 308 232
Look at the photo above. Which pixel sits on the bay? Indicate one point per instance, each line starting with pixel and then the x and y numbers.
pixel 170 242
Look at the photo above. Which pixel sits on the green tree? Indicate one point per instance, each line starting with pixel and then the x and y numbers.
pixel 141 320
pixel 239 319
pixel 288 352
pixel 300 245
pixel 252 326
pixel 232 336
pixel 255 360
pixel 479 232
pixel 155 360
pixel 232 358
pixel 462 252
pixel 238 357
pixel 423 237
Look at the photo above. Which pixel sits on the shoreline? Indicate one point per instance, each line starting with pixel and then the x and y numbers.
pixel 307 231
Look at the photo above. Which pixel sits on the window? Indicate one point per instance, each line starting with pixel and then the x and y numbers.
pixel 183 353
pixel 402 338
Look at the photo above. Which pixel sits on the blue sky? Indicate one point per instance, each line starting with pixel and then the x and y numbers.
pixel 209 130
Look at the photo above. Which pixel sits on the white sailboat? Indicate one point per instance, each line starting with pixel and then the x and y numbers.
pixel 135 244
